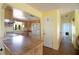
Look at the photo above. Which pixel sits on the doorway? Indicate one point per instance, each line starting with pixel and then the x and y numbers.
pixel 67 34
pixel 67 30
pixel 36 30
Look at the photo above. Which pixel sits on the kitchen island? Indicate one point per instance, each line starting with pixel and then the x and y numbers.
pixel 22 45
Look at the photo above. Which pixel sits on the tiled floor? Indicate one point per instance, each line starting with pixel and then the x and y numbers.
pixel 66 48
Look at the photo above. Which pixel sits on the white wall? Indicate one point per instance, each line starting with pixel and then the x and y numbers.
pixel 1 27
pixel 1 22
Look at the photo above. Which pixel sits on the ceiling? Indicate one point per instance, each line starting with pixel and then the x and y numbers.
pixel 21 15
pixel 64 7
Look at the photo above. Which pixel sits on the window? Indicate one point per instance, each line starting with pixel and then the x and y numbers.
pixel 18 14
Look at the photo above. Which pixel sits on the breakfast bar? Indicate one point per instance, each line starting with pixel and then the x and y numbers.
pixel 17 44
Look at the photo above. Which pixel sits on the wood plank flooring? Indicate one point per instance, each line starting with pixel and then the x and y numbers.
pixel 66 48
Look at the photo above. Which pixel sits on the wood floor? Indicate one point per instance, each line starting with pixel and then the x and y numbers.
pixel 66 48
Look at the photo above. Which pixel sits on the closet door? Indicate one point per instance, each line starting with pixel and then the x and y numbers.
pixel 48 31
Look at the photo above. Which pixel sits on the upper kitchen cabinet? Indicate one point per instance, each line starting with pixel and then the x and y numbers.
pixel 8 12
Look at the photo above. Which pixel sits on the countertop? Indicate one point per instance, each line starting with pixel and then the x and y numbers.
pixel 19 44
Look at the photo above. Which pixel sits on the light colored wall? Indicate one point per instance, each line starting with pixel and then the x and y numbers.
pixel 58 27
pixel 76 23
pixel 70 16
pixel 1 21
pixel 1 28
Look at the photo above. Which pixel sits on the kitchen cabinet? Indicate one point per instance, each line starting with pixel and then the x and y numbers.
pixel 8 12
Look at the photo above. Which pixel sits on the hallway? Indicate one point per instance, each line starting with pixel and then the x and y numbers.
pixel 66 48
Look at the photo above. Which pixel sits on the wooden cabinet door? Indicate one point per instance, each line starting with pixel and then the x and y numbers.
pixel 8 12
pixel 7 52
pixel 30 52
pixel 38 50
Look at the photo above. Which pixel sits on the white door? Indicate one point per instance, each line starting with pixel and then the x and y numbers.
pixel 48 32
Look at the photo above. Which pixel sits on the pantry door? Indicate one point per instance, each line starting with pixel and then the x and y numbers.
pixel 48 31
